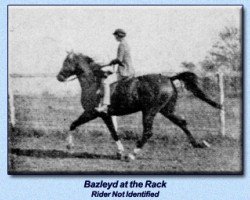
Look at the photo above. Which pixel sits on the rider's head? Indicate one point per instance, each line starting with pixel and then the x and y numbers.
pixel 119 34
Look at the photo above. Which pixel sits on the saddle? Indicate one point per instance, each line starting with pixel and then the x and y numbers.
pixel 120 83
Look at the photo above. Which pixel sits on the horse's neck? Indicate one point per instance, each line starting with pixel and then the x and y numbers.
pixel 89 85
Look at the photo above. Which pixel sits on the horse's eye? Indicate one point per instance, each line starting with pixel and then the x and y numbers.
pixel 79 70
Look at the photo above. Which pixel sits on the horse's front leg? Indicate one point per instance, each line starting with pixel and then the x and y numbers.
pixel 112 126
pixel 85 117
pixel 114 120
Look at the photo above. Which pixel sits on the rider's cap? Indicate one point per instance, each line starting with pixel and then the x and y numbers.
pixel 120 32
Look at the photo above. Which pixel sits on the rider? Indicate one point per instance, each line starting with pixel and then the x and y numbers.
pixel 125 68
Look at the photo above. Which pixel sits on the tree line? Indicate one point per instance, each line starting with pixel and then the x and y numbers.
pixel 225 54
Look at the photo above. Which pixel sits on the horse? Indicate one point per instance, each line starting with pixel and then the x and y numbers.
pixel 149 94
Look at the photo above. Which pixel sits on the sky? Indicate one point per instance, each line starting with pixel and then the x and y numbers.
pixel 160 37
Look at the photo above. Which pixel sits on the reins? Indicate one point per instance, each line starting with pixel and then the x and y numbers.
pixel 75 77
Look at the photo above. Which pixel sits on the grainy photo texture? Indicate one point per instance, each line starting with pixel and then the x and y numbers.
pixel 125 89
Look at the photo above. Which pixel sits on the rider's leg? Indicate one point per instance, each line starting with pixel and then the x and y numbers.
pixel 106 98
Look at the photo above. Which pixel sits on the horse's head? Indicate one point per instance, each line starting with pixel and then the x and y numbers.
pixel 74 64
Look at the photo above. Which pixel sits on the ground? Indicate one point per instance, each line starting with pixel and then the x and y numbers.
pixel 37 144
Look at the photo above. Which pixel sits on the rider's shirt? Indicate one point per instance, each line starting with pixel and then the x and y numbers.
pixel 123 54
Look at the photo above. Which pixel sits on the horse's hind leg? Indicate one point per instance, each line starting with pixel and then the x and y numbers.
pixel 183 125
pixel 148 118
pixel 113 130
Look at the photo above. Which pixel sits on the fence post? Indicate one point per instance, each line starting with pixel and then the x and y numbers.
pixel 11 108
pixel 222 98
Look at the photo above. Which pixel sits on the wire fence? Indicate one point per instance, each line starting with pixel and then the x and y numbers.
pixel 40 101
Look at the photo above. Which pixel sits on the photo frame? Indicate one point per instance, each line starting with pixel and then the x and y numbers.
pixel 164 40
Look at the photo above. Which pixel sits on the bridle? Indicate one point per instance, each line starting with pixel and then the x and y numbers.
pixel 71 79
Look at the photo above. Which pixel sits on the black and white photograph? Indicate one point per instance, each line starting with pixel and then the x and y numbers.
pixel 125 89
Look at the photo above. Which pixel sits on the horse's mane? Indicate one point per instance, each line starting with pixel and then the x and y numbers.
pixel 93 65
pixel 87 59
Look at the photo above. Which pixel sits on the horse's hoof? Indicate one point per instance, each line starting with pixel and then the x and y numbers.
pixel 119 156
pixel 129 157
pixel 72 127
pixel 69 147
pixel 198 145
pixel 206 144
pixel 126 158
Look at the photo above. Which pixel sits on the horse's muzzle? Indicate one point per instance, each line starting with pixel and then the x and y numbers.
pixel 60 78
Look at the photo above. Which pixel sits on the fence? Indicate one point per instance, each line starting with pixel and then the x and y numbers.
pixel 40 100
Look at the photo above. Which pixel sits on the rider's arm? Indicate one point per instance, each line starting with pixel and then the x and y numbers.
pixel 120 56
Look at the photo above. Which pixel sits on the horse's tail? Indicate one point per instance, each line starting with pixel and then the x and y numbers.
pixel 191 83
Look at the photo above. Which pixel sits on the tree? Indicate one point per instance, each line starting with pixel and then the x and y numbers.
pixel 225 53
pixel 208 65
pixel 188 65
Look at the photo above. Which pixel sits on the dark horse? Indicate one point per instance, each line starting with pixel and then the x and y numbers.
pixel 149 94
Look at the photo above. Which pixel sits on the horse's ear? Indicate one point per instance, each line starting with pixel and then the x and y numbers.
pixel 71 55
pixel 69 52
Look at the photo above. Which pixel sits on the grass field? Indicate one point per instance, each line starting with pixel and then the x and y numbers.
pixel 37 144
